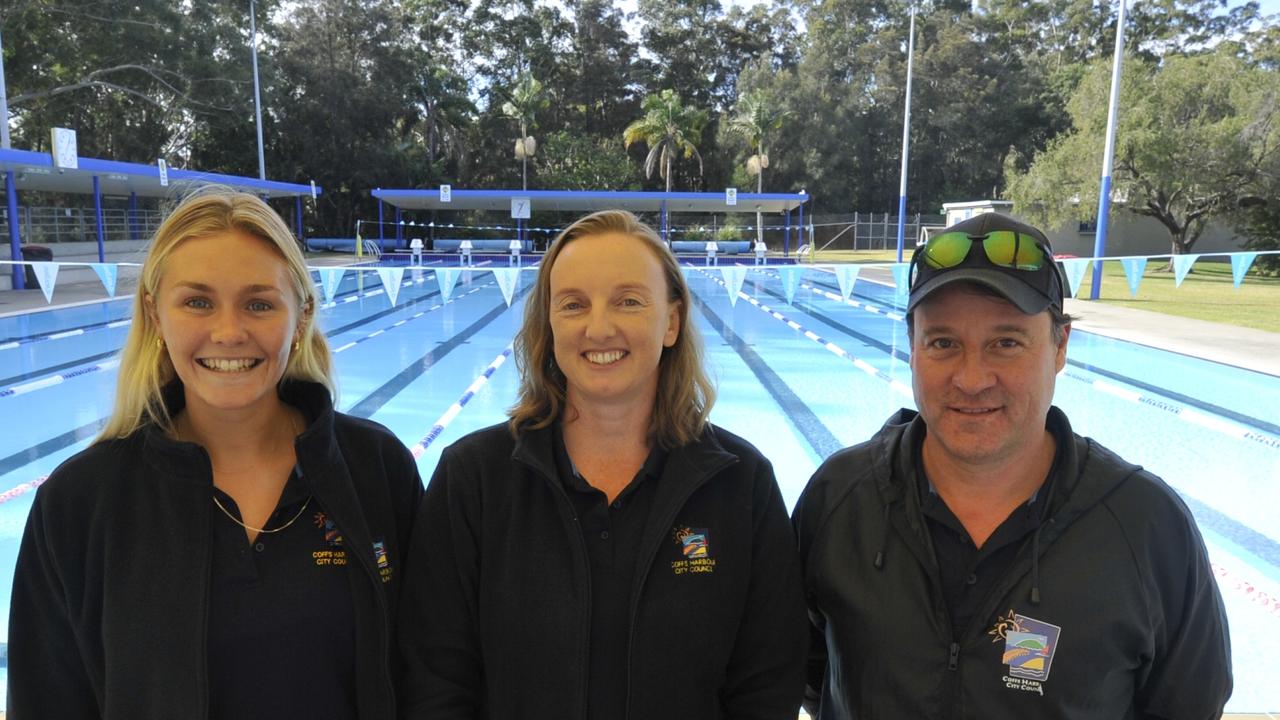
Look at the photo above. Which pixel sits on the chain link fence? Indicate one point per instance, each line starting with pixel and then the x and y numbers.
pixel 870 231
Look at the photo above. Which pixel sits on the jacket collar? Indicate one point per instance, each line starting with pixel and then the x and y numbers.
pixel 686 466
pixel 190 462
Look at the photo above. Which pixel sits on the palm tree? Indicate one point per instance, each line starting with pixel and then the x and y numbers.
pixel 523 102
pixel 669 129
pixel 753 119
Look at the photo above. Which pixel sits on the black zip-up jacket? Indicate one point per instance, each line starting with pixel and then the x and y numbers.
pixel 111 590
pixel 1128 623
pixel 497 607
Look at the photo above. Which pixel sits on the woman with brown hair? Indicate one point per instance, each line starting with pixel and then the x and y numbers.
pixel 607 553
pixel 230 546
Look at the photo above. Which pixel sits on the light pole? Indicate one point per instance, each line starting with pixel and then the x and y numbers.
pixel 906 139
pixel 4 104
pixel 257 94
pixel 1108 155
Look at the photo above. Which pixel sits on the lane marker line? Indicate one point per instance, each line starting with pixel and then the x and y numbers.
pixel 438 428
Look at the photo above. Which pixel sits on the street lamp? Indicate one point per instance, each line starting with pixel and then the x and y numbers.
pixel 906 138
pixel 257 94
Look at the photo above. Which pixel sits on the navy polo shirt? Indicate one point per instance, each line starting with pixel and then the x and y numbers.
pixel 281 632
pixel 968 573
pixel 612 534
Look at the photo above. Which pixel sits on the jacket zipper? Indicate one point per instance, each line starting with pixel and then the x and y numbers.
pixel 647 566
pixel 383 627
pixel 585 566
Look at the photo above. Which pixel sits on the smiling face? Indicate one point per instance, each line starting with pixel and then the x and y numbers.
pixel 611 317
pixel 983 374
pixel 228 315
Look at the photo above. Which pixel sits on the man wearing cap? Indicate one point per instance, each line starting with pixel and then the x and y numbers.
pixel 977 559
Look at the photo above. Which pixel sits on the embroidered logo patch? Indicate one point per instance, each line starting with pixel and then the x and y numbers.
pixel 693 542
pixel 695 546
pixel 383 562
pixel 332 535
pixel 1029 646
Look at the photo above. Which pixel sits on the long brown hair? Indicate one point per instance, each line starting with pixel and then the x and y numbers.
pixel 145 367
pixel 685 393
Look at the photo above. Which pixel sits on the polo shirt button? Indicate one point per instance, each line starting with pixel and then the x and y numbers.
pixel 972 579
pixel 617 504
pixel 604 534
pixel 259 547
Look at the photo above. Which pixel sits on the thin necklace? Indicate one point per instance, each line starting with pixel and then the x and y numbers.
pixel 236 520
pixel 293 425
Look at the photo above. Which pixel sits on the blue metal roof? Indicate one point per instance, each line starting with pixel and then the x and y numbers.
pixel 590 200
pixel 36 171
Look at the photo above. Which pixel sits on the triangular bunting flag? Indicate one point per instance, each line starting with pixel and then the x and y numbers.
pixel 107 273
pixel 1181 266
pixel 734 276
pixel 1074 269
pixel 447 278
pixel 790 280
pixel 1133 269
pixel 1240 263
pixel 391 278
pixel 47 276
pixel 901 271
pixel 507 279
pixel 329 280
pixel 846 276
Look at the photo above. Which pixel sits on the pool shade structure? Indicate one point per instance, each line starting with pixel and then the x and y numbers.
pixel 586 201
pixel 25 170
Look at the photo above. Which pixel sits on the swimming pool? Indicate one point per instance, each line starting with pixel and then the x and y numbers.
pixel 799 381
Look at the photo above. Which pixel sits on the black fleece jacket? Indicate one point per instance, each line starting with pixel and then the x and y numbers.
pixel 111 590
pixel 497 607
pixel 1110 609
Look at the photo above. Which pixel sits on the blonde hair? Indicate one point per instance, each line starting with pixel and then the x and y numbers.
pixel 145 367
pixel 685 393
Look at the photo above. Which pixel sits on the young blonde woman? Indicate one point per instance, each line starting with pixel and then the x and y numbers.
pixel 230 546
pixel 608 553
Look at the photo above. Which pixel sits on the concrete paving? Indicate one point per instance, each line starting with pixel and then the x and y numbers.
pixel 1247 348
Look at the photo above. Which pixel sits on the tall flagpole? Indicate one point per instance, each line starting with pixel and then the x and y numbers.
pixel 4 104
pixel 906 138
pixel 1108 156
pixel 257 94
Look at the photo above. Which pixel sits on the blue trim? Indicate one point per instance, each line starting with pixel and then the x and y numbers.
pixel 1100 237
pixel 97 216
pixel 902 223
pixel 136 172
pixel 133 216
pixel 15 240
pixel 386 194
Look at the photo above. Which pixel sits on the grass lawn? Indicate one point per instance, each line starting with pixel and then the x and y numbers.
pixel 1206 294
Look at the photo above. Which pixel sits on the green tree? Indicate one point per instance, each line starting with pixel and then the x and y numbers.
pixel 572 161
pixel 669 129
pixel 1196 135
pixel 754 119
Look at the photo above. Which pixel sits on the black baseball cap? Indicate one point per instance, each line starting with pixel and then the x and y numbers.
pixel 1032 287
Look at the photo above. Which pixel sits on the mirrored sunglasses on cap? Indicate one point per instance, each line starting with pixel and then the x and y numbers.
pixel 1005 248
pixel 1017 256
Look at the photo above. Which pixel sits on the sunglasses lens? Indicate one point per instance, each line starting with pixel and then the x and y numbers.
pixel 1009 249
pixel 947 250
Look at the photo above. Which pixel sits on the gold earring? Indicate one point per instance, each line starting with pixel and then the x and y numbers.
pixel 160 343
pixel 295 346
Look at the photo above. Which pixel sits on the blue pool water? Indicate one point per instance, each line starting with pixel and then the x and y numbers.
pixel 799 381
